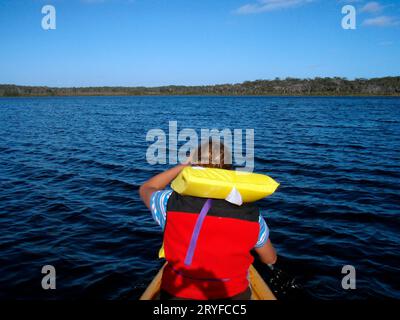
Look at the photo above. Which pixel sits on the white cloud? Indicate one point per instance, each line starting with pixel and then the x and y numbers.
pixel 269 5
pixel 381 21
pixel 372 7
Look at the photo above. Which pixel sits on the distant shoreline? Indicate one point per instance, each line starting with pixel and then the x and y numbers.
pixel 206 96
pixel 289 87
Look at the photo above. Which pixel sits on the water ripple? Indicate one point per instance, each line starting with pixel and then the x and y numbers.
pixel 70 170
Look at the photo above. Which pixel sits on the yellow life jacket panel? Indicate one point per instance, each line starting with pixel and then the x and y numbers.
pixel 234 186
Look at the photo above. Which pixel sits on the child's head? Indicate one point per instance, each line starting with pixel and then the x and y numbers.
pixel 213 154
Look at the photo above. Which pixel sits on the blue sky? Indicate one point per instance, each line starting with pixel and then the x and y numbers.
pixel 191 42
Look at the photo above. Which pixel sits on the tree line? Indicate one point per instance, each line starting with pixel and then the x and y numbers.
pixel 386 86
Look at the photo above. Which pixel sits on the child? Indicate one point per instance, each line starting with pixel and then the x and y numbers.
pixel 217 268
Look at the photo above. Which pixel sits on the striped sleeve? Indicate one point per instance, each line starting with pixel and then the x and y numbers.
pixel 263 234
pixel 158 206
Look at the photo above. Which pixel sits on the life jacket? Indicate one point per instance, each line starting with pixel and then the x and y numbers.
pixel 219 264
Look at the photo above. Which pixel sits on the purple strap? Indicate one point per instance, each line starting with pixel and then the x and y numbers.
pixel 196 232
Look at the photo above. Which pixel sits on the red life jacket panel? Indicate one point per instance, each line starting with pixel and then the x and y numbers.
pixel 222 255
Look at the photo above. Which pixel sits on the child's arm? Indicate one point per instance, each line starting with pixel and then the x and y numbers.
pixel 158 182
pixel 267 253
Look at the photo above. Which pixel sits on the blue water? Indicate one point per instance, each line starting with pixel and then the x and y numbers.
pixel 70 169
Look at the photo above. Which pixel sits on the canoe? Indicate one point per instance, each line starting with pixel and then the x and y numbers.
pixel 259 289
